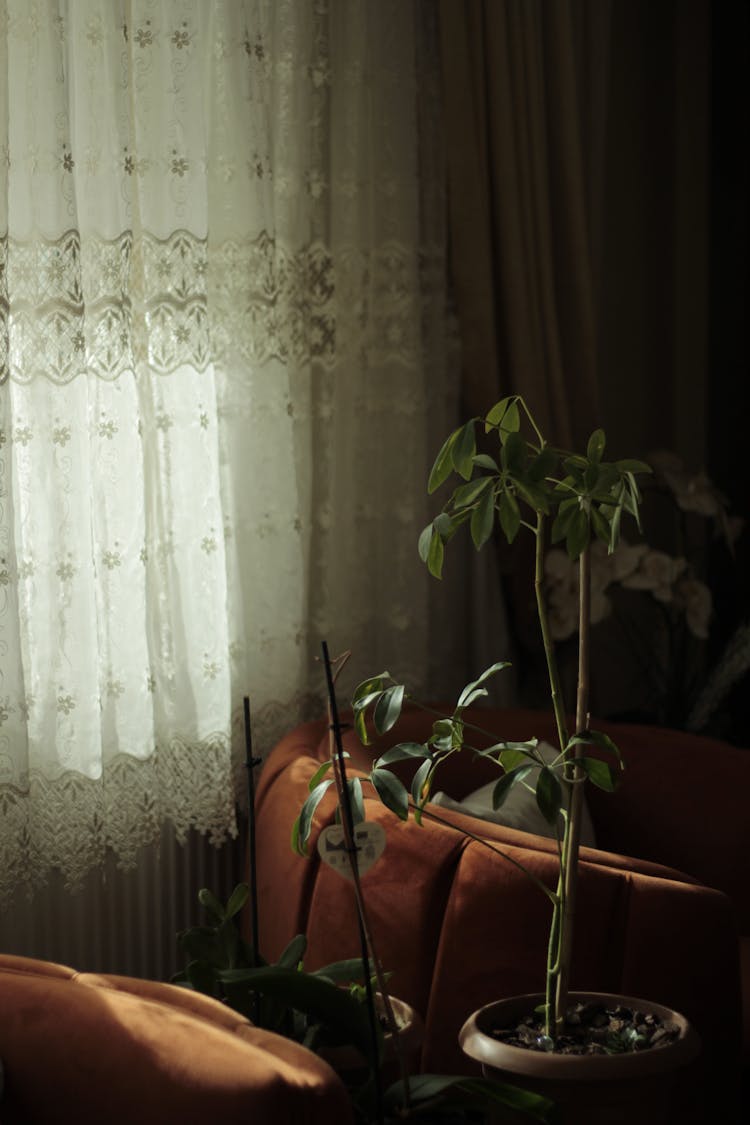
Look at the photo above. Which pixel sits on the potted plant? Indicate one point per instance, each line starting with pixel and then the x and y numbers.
pixel 434 1097
pixel 573 499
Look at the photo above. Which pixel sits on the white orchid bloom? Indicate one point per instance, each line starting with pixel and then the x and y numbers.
pixel 657 573
pixel 626 559
pixel 698 605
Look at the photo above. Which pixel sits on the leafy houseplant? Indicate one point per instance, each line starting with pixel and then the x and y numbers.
pixel 311 1007
pixel 576 500
pixel 433 1097
pixel 530 487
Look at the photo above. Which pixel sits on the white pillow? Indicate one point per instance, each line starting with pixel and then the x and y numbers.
pixel 519 810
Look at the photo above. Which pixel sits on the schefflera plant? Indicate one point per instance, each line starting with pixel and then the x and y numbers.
pixel 555 495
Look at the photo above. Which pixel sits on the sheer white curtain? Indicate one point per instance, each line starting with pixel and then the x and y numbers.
pixel 224 365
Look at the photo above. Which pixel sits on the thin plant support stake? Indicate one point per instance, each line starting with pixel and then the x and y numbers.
pixel 365 934
pixel 250 763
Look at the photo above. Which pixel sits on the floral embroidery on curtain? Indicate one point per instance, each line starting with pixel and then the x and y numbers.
pixel 224 367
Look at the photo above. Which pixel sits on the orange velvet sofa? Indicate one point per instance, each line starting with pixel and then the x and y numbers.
pixel 664 899
pixel 91 1048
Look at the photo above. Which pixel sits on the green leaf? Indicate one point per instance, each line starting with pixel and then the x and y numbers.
pixel 548 795
pixel 543 465
pixel 418 782
pixel 367 690
pixel 484 461
pixel 600 525
pixel 528 744
pixel 635 496
pixel 614 526
pixel 577 535
pixel 509 514
pixel 424 542
pixel 354 785
pixel 319 774
pixel 388 708
pixel 291 956
pixel 348 971
pixel 630 466
pixel 511 420
pixel 534 495
pixel 360 726
pixel 511 759
pixel 595 738
pixel 463 451
pixel 466 494
pixel 443 525
pixel 599 773
pixel 608 478
pixel 564 518
pixel 301 834
pixel 200 944
pixel 474 690
pixel 630 503
pixel 443 466
pixel 431 1096
pixel 495 416
pixel 435 556
pixel 401 752
pixel 228 939
pixel 391 792
pixel 201 977
pixel 483 519
pixel 506 783
pixel 297 847
pixel 513 454
pixel 237 899
pixel 442 734
pixel 319 999
pixel 591 478
pixel 595 447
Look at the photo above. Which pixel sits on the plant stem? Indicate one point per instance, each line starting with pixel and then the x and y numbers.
pixel 559 911
pixel 572 838
pixel 347 823
pixel 558 704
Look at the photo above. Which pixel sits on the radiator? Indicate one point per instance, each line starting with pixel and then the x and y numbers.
pixel 125 921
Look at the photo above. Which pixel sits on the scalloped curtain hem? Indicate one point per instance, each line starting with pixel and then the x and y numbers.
pixel 69 823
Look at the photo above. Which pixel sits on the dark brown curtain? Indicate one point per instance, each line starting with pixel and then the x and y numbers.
pixel 524 143
pixel 578 169
pixel 578 165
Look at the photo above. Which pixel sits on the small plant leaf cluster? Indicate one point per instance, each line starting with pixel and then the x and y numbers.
pixel 520 762
pixel 326 1008
pixel 310 1007
pixel 529 479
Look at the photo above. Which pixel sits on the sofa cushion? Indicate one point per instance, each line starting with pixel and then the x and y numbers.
pixel 90 1048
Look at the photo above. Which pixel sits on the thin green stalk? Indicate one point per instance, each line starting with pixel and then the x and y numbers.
pixel 572 838
pixel 560 911
pixel 347 824
pixel 558 704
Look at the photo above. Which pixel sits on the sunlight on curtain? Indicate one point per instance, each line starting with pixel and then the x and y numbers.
pixel 225 370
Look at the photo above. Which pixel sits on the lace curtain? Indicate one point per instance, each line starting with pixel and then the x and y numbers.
pixel 225 369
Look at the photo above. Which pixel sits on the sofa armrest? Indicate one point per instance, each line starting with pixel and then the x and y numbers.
pixel 681 802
